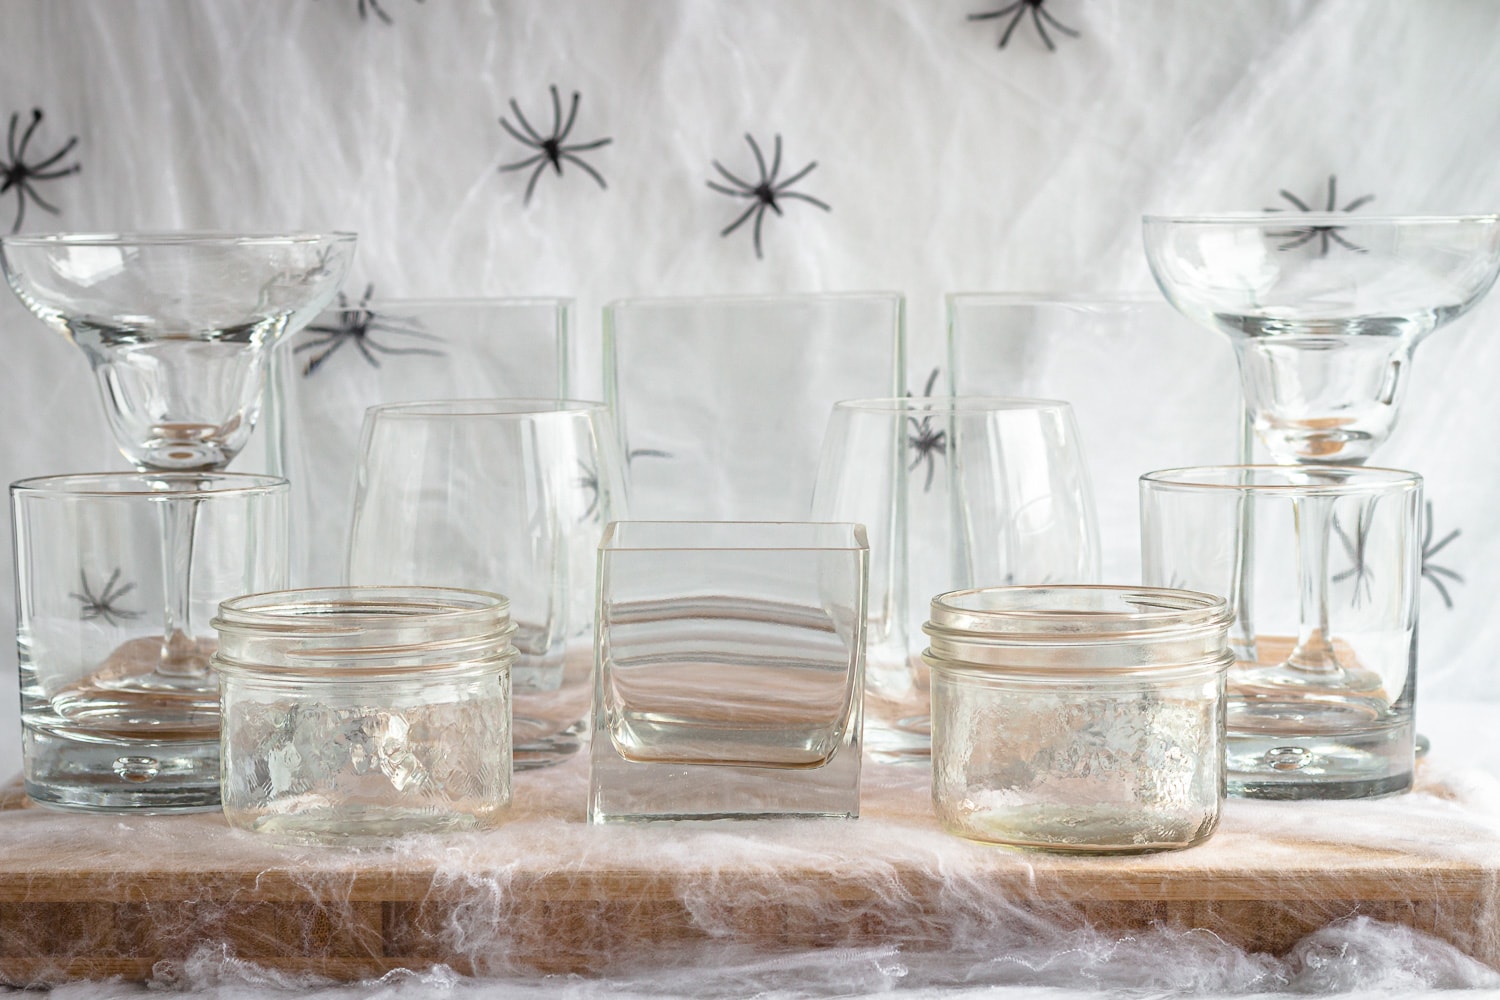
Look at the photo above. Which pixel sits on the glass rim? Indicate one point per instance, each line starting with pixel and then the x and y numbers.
pixel 741 298
pixel 176 238
pixel 950 404
pixel 1374 479
pixel 1304 220
pixel 854 531
pixel 500 406
pixel 466 301
pixel 74 484
pixel 1120 297
pixel 1173 609
pixel 271 610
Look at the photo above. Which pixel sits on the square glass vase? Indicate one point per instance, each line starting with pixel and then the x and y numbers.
pixel 728 670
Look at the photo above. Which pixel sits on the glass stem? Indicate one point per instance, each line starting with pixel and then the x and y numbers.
pixel 179 650
pixel 1314 652
pixel 1242 634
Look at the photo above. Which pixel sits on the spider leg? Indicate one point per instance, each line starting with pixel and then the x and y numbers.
pixel 1434 550
pixel 108 585
pixel 1333 235
pixel 531 184
pixel 572 116
pixel 796 177
pixel 1020 12
pixel 315 363
pixel 1358 202
pixel 931 468
pixel 369 293
pixel 364 349
pixel 990 15
pixel 736 194
pixel 52 175
pixel 36 119
pixel 59 155
pixel 370 345
pixel 521 164
pixel 375 6
pixel 1302 240
pixel 314 343
pixel 26 186
pixel 760 217
pixel 1442 571
pixel 775 163
pixel 804 197
pixel 10 136
pixel 590 170
pixel 740 221
pixel 15 226
pixel 1338 529
pixel 405 328
pixel 1041 28
pixel 760 161
pixel 1301 205
pixel 523 140
pixel 749 188
pixel 1333 187
pixel 536 136
pixel 1442 592
pixel 556 112
pixel 587 145
pixel 1056 23
pixel 931 381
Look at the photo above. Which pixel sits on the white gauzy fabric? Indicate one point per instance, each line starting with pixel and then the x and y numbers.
pixel 947 164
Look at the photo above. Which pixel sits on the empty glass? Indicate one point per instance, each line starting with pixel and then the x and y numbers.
pixel 353 713
pixel 729 670
pixel 1321 700
pixel 114 715
pixel 955 493
pixel 503 495
pixel 370 352
pixel 1079 718
pixel 719 401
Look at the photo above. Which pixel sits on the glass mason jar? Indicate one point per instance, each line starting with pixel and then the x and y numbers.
pixel 1080 718
pixel 362 712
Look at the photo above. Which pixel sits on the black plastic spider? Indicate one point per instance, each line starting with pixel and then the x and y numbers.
pixel 552 151
pixel 102 604
pixel 1323 234
pixel 17 173
pixel 1355 549
pixel 765 191
pixel 366 6
pixel 1435 574
pixel 1038 14
pixel 925 441
pixel 356 325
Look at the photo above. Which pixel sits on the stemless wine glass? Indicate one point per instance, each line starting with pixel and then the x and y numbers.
pixel 504 495
pixel 955 493
pixel 178 328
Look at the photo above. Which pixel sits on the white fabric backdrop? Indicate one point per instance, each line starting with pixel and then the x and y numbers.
pixel 948 163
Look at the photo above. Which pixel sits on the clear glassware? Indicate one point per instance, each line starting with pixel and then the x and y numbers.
pixel 1183 406
pixel 729 670
pixel 955 493
pixel 504 495
pixel 369 352
pixel 1084 719
pixel 104 725
pixel 359 713
pixel 178 328
pixel 1324 311
pixel 718 401
pixel 1338 726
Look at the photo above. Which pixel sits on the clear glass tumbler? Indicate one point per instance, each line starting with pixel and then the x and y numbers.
pixel 728 677
pixel 1325 602
pixel 503 495
pixel 1083 719
pixel 955 493
pixel 119 709
pixel 365 712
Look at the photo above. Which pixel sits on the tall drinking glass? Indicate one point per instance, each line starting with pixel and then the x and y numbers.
pixel 509 496
pixel 955 493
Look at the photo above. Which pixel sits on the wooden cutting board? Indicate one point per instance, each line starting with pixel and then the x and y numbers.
pixel 94 896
